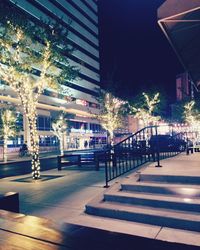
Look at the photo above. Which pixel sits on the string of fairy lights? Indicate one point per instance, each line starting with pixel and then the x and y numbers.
pixel 191 117
pixel 146 114
pixel 59 129
pixel 27 87
pixel 110 116
pixel 8 128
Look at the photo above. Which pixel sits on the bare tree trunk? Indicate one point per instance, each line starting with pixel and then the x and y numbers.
pixel 5 149
pixel 34 140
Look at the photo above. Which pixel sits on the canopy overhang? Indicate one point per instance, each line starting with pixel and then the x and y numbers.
pixel 180 22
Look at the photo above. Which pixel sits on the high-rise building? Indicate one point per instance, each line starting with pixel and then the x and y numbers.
pixel 83 36
pixel 183 87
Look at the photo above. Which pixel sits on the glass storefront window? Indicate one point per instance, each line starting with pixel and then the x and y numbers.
pixel 48 141
pixel 78 125
pixel 44 123
pixel 19 122
pixel 96 127
pixel 14 142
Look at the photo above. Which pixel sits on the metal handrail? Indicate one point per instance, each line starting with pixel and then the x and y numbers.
pixel 134 151
pixel 139 131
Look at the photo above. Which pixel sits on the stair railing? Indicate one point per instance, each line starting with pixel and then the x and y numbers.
pixel 136 150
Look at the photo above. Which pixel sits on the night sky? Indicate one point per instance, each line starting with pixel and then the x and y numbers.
pixel 135 54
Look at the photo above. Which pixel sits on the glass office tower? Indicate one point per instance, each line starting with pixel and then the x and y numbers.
pixel 83 36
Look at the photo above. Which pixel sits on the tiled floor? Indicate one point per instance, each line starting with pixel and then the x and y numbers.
pixel 57 198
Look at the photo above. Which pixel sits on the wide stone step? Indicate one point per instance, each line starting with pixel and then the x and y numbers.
pixel 147 215
pixel 157 201
pixel 179 179
pixel 163 188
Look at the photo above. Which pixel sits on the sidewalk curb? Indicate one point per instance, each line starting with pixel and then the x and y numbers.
pixel 45 157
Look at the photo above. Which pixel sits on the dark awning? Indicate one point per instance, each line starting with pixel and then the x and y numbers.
pixel 180 21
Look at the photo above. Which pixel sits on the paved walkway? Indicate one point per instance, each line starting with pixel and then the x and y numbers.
pixel 63 198
pixel 59 198
pixel 184 165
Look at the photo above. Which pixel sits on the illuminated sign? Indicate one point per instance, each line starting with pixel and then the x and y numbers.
pixel 81 102
pixel 82 131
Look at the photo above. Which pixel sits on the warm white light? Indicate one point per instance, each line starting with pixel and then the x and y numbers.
pixel 28 88
pixel 59 129
pixel 7 129
pixel 192 117
pixel 18 58
pixel 188 200
pixel 110 116
pixel 146 114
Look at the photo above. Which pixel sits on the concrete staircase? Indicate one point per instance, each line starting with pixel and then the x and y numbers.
pixel 162 200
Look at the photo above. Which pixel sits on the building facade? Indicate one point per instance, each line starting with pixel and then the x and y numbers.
pixel 183 87
pixel 83 37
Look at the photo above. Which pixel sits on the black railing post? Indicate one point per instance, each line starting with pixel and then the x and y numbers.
pixel 114 160
pixel 59 162
pixel 157 149
pixel 106 170
pixel 96 161
pixel 79 160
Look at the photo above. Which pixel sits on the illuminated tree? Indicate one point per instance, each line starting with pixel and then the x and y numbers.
pixel 33 58
pixel 111 114
pixel 60 125
pixel 192 116
pixel 145 111
pixel 7 128
pixel 59 129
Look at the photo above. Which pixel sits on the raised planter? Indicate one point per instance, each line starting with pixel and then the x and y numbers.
pixel 10 202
